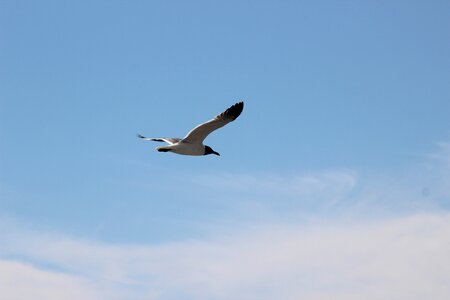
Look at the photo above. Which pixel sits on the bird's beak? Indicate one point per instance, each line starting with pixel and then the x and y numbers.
pixel 216 153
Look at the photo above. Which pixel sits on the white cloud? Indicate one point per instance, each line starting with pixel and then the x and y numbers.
pixel 21 281
pixel 404 258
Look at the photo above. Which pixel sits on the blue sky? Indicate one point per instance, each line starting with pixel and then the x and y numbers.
pixel 345 120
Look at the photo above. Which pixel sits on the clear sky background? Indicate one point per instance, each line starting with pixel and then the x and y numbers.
pixel 332 184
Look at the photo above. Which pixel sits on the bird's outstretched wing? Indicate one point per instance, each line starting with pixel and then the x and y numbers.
pixel 169 141
pixel 199 133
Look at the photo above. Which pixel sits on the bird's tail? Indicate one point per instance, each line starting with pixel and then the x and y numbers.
pixel 163 149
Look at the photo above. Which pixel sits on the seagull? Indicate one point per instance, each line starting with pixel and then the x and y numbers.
pixel 192 143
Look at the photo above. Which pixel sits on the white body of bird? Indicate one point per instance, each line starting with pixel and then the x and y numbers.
pixel 184 148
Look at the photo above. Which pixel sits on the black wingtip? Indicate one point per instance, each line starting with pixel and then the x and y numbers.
pixel 235 110
pixel 140 136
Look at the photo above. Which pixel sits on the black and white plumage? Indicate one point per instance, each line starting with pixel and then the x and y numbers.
pixel 192 143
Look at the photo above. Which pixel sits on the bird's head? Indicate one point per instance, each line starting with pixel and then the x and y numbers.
pixel 209 150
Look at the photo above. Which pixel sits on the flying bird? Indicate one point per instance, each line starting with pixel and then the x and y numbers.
pixel 192 143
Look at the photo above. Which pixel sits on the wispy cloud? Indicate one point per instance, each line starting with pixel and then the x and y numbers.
pixel 443 155
pixel 420 187
pixel 308 186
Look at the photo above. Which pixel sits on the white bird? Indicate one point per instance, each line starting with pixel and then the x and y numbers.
pixel 192 143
